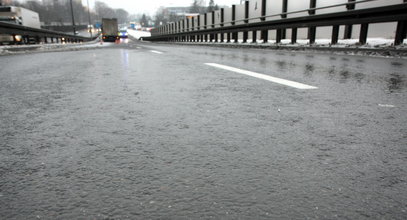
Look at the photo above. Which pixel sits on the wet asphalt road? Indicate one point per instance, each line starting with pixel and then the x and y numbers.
pixel 148 131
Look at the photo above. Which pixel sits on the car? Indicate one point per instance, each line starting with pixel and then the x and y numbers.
pixel 123 33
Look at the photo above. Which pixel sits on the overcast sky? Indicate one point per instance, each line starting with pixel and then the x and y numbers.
pixel 151 6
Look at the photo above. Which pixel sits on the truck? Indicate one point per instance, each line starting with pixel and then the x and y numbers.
pixel 110 29
pixel 18 16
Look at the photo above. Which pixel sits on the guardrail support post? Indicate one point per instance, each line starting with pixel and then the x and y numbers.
pixel 278 35
pixel 234 34
pixel 401 32
pixel 285 8
pixel 222 19
pixel 228 37
pixel 363 33
pixel 335 34
pixel 246 21
pixel 254 36
pixel 348 28
pixel 264 33
pixel 312 34
pixel 294 35
pixel 312 30
pixel 215 35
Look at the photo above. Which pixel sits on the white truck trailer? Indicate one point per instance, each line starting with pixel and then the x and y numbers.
pixel 110 29
pixel 19 16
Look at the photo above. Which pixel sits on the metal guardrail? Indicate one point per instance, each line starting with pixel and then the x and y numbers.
pixel 35 35
pixel 181 30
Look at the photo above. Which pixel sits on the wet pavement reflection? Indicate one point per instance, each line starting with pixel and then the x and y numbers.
pixel 124 133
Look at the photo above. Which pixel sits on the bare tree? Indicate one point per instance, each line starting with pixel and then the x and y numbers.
pixel 122 15
pixel 197 6
pixel 212 6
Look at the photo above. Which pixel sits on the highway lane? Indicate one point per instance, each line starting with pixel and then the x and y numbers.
pixel 142 130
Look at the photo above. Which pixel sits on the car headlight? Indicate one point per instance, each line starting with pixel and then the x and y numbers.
pixel 18 38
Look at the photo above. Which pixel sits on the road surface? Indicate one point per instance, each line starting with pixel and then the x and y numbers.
pixel 158 131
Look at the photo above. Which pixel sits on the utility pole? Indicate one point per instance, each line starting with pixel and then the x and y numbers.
pixel 73 19
pixel 90 27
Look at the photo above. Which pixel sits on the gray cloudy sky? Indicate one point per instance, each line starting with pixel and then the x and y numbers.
pixel 150 6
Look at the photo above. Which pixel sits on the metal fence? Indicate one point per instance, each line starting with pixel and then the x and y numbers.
pixel 292 19
pixel 34 35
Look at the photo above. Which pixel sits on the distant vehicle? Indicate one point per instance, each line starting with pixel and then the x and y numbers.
pixel 19 16
pixel 123 33
pixel 109 29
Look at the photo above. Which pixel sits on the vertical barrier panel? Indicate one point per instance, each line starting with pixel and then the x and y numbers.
pixel 183 30
pixel 222 19
pixel 201 25
pixel 377 4
pixel 187 29
pixel 246 16
pixel 255 12
pixel 401 31
pixel 227 21
pixel 240 14
pixel 264 33
pixel 273 7
pixel 348 28
pixel 326 32
pixel 209 19
pixel 183 25
pixel 291 6
pixel 206 26
pixel 213 35
pixel 285 10
pixel 205 21
pixel 240 17
pixel 233 14
pixel 201 21
pixel 227 16
pixel 386 30
pixel 193 23
pixel 213 19
pixel 217 18
pixel 297 5
pixel 263 10
pixel 324 3
pixel 198 22
pixel 217 21
pixel 234 34
pixel 312 30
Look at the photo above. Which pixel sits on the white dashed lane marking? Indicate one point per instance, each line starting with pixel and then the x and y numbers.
pixel 264 77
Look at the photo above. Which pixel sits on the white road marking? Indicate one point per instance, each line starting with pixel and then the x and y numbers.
pixel 386 106
pixel 154 51
pixel 265 77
